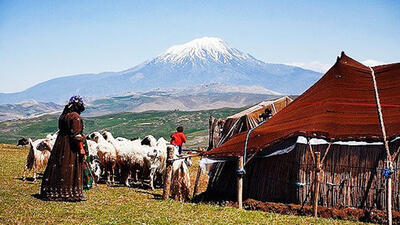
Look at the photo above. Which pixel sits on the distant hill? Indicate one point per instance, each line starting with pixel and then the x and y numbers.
pixel 202 97
pixel 129 125
pixel 27 109
pixel 201 61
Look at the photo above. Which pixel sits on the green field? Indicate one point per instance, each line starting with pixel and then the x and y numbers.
pixel 116 205
pixel 129 125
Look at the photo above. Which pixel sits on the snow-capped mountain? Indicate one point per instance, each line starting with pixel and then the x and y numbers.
pixel 211 60
pixel 202 50
pixel 200 61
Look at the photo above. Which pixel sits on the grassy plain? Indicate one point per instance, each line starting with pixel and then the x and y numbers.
pixel 116 205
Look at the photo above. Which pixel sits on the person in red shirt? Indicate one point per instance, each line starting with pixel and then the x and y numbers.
pixel 178 138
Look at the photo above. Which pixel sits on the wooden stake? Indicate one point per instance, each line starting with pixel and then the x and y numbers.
pixel 389 196
pixel 196 183
pixel 240 183
pixel 168 172
pixel 316 183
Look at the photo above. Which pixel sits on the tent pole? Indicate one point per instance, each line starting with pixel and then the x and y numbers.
pixel 196 183
pixel 240 182
pixel 316 183
pixel 168 173
pixel 389 200
pixel 210 133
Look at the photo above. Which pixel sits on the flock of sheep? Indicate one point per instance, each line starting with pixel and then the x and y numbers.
pixel 142 160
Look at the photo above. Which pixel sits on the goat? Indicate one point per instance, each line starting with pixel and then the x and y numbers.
pixel 38 156
pixel 180 181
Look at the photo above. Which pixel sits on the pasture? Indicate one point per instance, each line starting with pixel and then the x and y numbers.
pixel 116 205
pixel 129 125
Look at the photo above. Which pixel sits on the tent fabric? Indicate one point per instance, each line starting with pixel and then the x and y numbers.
pixel 249 118
pixel 341 106
pixel 255 111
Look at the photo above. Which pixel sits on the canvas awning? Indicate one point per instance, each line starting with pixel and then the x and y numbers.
pixel 246 119
pixel 254 112
pixel 340 106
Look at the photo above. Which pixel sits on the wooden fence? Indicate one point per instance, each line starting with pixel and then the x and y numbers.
pixel 351 177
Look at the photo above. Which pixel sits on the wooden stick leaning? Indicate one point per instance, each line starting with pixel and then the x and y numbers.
pixel 196 183
pixel 318 169
pixel 168 173
pixel 316 183
pixel 311 151
pixel 325 154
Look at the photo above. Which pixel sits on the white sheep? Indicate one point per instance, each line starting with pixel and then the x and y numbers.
pixel 92 147
pixel 156 161
pixel 94 163
pixel 52 139
pixel 130 157
pixel 149 140
pixel 107 155
pixel 121 139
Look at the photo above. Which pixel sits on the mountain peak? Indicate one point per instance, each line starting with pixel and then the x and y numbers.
pixel 204 48
pixel 201 61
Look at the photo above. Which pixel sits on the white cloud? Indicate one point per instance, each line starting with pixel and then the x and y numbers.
pixel 314 65
pixel 323 67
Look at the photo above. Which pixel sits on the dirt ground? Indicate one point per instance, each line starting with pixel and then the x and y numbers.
pixel 370 216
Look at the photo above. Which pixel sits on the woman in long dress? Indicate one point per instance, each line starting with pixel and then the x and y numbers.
pixel 62 179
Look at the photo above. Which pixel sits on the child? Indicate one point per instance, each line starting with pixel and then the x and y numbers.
pixel 178 138
pixel 267 114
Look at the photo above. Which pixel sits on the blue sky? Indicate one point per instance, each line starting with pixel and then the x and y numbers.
pixel 40 40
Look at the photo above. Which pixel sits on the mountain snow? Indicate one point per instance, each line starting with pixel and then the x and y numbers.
pixel 204 49
pixel 202 61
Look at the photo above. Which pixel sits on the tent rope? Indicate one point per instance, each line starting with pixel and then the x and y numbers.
pixel 223 139
pixel 247 139
pixel 273 107
pixel 381 122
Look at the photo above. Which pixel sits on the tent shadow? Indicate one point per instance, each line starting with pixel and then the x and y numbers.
pixel 155 195
pixel 30 180
pixel 38 196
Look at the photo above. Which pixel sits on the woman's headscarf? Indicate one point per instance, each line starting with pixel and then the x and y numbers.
pixel 75 104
